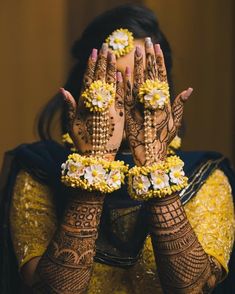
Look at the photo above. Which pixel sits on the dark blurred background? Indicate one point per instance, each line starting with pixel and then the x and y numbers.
pixel 36 37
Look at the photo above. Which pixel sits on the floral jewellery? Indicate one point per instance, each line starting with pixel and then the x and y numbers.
pixel 154 95
pixel 90 173
pixel 157 180
pixel 121 42
pixel 97 98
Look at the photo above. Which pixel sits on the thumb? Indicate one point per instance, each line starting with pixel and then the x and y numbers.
pixel 71 105
pixel 178 106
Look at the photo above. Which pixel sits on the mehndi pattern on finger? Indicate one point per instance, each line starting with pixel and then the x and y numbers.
pixel 121 42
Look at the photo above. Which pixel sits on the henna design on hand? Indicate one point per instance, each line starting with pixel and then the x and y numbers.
pixel 183 266
pixel 165 121
pixel 80 119
pixel 66 265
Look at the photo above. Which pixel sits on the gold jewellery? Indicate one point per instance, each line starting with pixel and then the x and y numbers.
pixel 121 42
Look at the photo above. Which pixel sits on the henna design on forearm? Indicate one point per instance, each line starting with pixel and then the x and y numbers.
pixel 183 266
pixel 67 263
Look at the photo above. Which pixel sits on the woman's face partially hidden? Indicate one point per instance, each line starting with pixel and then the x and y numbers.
pixel 128 60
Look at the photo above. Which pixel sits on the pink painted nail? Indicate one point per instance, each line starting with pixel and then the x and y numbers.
pixel 119 76
pixel 111 57
pixel 62 91
pixel 138 51
pixel 157 48
pixel 128 71
pixel 94 54
pixel 104 48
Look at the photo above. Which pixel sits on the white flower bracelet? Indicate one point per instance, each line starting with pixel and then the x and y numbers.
pixel 93 174
pixel 157 180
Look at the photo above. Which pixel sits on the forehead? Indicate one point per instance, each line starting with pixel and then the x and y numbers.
pixel 128 59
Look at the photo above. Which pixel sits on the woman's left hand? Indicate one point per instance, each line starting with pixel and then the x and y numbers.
pixel 166 120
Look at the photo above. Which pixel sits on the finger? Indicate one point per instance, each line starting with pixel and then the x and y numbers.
pixel 138 70
pixel 129 101
pixel 71 106
pixel 151 65
pixel 178 107
pixel 90 70
pixel 111 69
pixel 119 99
pixel 162 74
pixel 100 71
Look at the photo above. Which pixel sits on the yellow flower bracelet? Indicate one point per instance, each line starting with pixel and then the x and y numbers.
pixel 157 180
pixel 93 174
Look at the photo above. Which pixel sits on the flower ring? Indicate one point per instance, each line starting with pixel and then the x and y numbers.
pixel 154 94
pixel 99 96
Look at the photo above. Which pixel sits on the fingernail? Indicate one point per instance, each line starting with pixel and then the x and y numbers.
pixel 94 54
pixel 138 51
pixel 157 49
pixel 104 47
pixel 119 76
pixel 111 57
pixel 189 92
pixel 62 91
pixel 148 42
pixel 128 71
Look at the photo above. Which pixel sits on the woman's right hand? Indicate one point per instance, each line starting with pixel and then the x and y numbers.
pixel 102 67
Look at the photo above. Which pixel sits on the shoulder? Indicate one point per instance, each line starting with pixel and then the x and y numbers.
pixel 203 166
pixel 41 159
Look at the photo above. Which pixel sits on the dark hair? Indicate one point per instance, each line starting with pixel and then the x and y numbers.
pixel 140 20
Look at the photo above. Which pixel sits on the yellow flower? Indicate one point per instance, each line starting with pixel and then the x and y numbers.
pixel 154 94
pixel 99 96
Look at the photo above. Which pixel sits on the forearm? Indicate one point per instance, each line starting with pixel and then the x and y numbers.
pixel 67 263
pixel 183 266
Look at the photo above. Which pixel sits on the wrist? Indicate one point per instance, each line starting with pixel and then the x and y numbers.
pixel 77 196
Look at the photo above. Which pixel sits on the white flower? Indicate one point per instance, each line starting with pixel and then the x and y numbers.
pixel 94 174
pixel 75 169
pixel 159 180
pixel 118 40
pixel 155 99
pixel 64 167
pixel 102 97
pixel 114 179
pixel 141 184
pixel 176 174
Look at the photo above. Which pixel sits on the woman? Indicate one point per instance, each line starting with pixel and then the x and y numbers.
pixel 63 233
